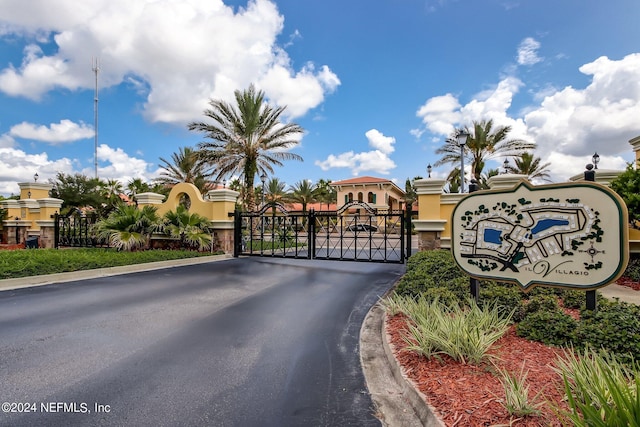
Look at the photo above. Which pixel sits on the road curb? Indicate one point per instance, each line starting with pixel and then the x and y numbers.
pixel 47 279
pixel 398 401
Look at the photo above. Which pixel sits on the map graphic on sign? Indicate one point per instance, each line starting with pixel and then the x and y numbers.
pixel 573 235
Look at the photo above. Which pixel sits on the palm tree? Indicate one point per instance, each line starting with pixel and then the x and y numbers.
pixel 275 191
pixel 128 228
pixel 302 192
pixel 485 142
pixel 192 230
pixel 246 139
pixel 527 164
pixel 325 193
pixel 185 166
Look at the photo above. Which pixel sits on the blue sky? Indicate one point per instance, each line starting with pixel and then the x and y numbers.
pixel 377 85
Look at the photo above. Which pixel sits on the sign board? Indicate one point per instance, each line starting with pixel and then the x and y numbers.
pixel 571 235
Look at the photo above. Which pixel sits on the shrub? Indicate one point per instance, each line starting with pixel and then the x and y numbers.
pixel 633 269
pixel 542 303
pixel 428 269
pixel 507 297
pixel 614 327
pixel 548 327
pixel 516 394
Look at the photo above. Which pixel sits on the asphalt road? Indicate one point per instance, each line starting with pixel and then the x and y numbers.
pixel 240 342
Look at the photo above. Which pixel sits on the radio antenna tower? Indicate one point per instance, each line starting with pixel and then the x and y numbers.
pixel 95 67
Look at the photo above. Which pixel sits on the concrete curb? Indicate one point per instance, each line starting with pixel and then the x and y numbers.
pixel 398 401
pixel 46 279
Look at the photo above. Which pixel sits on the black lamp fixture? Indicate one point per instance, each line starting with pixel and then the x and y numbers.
pixel 595 159
pixel 224 183
pixel 35 177
pixel 461 138
pixel 429 169
pixel 506 165
pixel 263 178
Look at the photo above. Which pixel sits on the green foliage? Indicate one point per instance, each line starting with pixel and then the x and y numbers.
pixel 78 191
pixel 185 166
pixel 627 185
pixel 465 333
pixel 601 391
pixel 508 298
pixel 427 269
pixel 129 228
pixel 614 327
pixel 516 391
pixel 14 264
pixel 549 327
pixel 633 269
pixel 542 303
pixel 191 230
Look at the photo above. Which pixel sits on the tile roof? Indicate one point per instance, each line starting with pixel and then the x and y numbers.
pixel 361 180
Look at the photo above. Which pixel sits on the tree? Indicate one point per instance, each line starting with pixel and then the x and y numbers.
pixel 129 228
pixel 246 139
pixel 485 142
pixel 302 192
pixel 325 192
pixel 78 191
pixel 627 185
pixel 185 166
pixel 527 164
pixel 275 191
pixel 192 230
pixel 111 189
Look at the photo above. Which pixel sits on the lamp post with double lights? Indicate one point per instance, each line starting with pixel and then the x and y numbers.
pixel 462 142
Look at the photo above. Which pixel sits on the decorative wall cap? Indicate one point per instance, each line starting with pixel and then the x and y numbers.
pixel 429 224
pixel 221 224
pixel 635 143
pixel 29 203
pixel 452 198
pixel 603 176
pixel 50 202
pixel 505 180
pixel 35 185
pixel 429 185
pixel 222 195
pixel 150 198
pixel 9 203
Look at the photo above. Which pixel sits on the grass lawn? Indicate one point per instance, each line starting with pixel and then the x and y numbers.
pixel 34 262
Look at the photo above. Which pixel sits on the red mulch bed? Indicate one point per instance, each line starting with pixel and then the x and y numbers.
pixel 469 395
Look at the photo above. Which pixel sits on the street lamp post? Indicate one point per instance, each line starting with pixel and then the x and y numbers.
pixel 506 165
pixel 263 179
pixel 429 169
pixel 596 160
pixel 462 141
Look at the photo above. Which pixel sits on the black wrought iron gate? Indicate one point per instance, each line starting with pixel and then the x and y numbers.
pixel 75 230
pixel 355 232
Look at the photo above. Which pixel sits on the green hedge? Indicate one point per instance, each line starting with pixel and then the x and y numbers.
pixel 615 326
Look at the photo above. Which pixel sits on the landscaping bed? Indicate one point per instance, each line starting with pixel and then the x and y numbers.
pixel 548 326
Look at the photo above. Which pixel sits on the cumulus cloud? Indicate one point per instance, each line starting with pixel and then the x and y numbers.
pixel 528 52
pixel 568 125
pixel 18 166
pixel 204 50
pixel 56 133
pixel 376 160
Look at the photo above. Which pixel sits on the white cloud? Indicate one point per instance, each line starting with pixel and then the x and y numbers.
pixel 569 124
pixel 56 133
pixel 377 160
pixel 528 52
pixel 119 165
pixel 18 166
pixel 204 50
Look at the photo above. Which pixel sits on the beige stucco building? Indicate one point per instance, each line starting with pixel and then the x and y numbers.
pixel 379 193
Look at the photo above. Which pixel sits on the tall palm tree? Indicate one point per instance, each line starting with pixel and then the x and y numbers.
pixel 302 192
pixel 191 229
pixel 246 139
pixel 529 165
pixel 129 228
pixel 275 191
pixel 485 142
pixel 185 166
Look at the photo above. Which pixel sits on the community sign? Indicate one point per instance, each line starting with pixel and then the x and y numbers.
pixel 571 235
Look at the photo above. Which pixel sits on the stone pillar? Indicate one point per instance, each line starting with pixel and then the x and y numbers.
pixel 223 203
pixel 429 224
pixel 149 199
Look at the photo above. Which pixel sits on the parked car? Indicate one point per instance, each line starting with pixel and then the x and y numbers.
pixel 362 227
